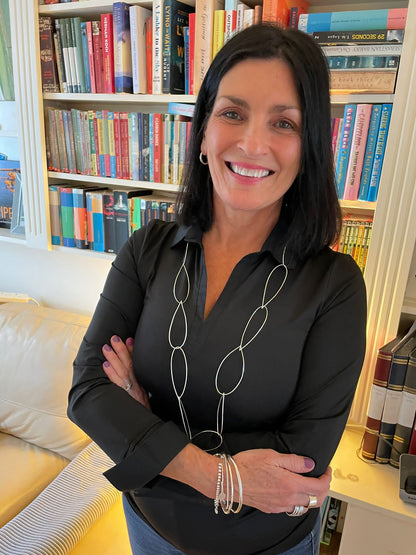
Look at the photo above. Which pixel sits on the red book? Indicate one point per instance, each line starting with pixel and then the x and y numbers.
pixel 191 51
pixel 276 11
pixel 98 56
pixel 91 64
pixel 117 144
pixel 124 144
pixel 149 55
pixel 157 148
pixel 377 397
pixel 50 82
pixel 108 51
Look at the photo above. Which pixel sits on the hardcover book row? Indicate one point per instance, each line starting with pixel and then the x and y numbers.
pixel 102 219
pixel 355 238
pixel 359 142
pixel 391 426
pixel 125 145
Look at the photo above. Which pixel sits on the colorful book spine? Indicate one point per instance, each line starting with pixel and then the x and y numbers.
pixel 359 20
pixel 369 151
pixel 121 218
pixel 108 52
pixel 376 36
pixel 151 147
pixel 80 218
pixel 117 145
pixel 125 145
pixel 85 56
pixel 138 18
pixel 96 219
pixel 157 46
pixel 98 57
pixel 357 151
pixel 186 56
pixel 76 25
pixel 50 81
pixel 230 24
pixel 191 51
pixel 377 397
pixel 109 222
pixel 145 149
pixel 123 76
pixel 149 55
pixel 157 147
pixel 347 50
pixel 344 148
pixel 55 214
pixel 112 145
pixel 276 11
pixel 67 216
pixel 218 32
pixel 90 50
pixel 134 143
pixel 347 81
pixel 379 152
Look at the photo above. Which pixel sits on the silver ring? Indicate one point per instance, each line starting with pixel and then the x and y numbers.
pixel 313 501
pixel 128 386
pixel 297 510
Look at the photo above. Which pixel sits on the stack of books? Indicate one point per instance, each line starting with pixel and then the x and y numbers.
pixel 359 141
pixel 391 427
pixel 124 145
pixel 355 238
pixel 86 217
pixel 363 47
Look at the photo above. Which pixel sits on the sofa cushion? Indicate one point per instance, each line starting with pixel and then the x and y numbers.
pixel 38 346
pixel 25 470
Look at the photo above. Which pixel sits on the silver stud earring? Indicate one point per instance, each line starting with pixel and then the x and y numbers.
pixel 201 159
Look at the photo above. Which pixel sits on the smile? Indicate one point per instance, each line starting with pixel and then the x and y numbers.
pixel 248 172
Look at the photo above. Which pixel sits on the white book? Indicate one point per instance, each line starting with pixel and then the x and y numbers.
pixel 138 17
pixel 157 46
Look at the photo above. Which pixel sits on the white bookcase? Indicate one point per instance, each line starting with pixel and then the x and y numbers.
pixel 389 265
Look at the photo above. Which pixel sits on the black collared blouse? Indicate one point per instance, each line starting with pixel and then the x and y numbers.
pixel 300 374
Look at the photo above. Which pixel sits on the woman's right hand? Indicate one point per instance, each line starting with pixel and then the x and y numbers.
pixel 273 482
pixel 118 367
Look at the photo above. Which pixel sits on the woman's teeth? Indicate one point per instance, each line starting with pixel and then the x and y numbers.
pixel 249 172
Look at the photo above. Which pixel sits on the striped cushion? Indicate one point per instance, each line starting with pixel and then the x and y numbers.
pixel 61 515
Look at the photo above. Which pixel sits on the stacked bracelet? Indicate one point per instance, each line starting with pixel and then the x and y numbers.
pixel 224 495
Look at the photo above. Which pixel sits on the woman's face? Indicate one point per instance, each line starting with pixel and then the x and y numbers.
pixel 253 137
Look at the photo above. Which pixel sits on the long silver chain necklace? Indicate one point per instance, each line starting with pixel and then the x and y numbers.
pixel 178 350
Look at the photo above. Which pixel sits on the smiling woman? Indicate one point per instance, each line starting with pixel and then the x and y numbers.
pixel 222 359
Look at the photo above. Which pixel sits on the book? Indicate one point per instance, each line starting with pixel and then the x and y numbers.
pixel 344 147
pixel 175 16
pixel 363 62
pixel 379 152
pixel 191 51
pixel 90 52
pixel 121 218
pixel 230 23
pixel 157 18
pixel 79 54
pixel 157 147
pixel 97 43
pixel 109 221
pixel 186 56
pixel 85 55
pixel 138 18
pixel 407 411
pixel 80 218
pixel 359 20
pixel 67 216
pixel 392 402
pixel 123 76
pixel 145 147
pixel 8 172
pixel 95 220
pixel 359 37
pixel 55 214
pixel 218 32
pixel 60 64
pixel 149 54
pixel 347 50
pixel 73 54
pixel 369 151
pixel 125 145
pixel 6 62
pixel 378 396
pixel 107 52
pixel 357 151
pixel 346 81
pixel 276 11
pixel 181 108
pixel 48 67
pixel 204 26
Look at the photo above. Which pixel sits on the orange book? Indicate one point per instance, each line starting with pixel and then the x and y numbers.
pixel 276 11
pixel 108 51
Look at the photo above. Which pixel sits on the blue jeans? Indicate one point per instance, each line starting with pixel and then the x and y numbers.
pixel 145 541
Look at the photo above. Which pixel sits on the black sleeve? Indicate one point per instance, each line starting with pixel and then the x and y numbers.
pixel 139 442
pixel 331 364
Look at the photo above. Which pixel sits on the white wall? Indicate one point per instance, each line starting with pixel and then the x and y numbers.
pixel 66 280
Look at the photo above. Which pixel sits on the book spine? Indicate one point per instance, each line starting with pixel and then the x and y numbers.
pixel 123 81
pixel 60 26
pixel 117 145
pixel 67 216
pixel 149 54
pixel 230 24
pixel 60 133
pixel 60 58
pixel 363 62
pixel 157 46
pixel 376 36
pixel 50 82
pixel 357 151
pixel 157 147
pixel 121 219
pixel 379 152
pixel 112 145
pixel 166 44
pixel 106 144
pixel 101 150
pixel 97 213
pixel 76 22
pixel 151 149
pixel 381 81
pixel 85 56
pixel 386 49
pixel 345 145
pixel 69 141
pixel 218 32
pixel 124 145
pixel 369 151
pixel 109 222
pixel 80 218
pixel 55 215
pixel 140 145
pixel 145 148
pixel 186 57
pixel 191 51
pixel 134 142
pixel 77 139
pixel 91 65
pixel 73 55
pixel 98 56
pixel 108 52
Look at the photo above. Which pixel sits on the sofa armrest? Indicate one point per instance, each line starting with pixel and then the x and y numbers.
pixel 61 515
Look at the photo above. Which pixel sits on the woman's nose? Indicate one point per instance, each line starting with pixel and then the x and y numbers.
pixel 254 139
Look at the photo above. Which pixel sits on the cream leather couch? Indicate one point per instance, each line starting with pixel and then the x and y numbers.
pixel 53 497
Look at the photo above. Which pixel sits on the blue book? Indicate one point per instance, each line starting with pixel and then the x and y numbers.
pixel 140 136
pixel 144 166
pixel 354 20
pixel 379 152
pixel 186 57
pixel 344 147
pixel 151 152
pixel 85 56
pixel 369 151
pixel 123 74
pixel 134 151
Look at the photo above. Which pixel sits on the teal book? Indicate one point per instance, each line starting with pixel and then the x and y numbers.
pixel 379 152
pixel 353 20
pixel 67 216
pixel 370 148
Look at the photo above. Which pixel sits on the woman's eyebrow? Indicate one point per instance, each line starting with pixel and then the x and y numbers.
pixel 241 102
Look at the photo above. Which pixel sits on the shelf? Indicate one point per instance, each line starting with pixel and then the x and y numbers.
pixel 367 484
pixel 122 98
pixel 112 182
pixel 337 99
pixel 8 237
pixel 409 307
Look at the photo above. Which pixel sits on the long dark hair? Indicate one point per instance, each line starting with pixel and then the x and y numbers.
pixel 310 211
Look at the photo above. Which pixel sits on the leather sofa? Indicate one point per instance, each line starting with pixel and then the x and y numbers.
pixel 53 496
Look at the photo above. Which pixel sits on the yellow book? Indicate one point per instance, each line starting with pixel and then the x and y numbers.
pixel 218 35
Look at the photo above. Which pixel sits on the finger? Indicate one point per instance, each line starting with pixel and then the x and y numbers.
pixel 295 463
pixel 113 376
pixel 130 344
pixel 120 348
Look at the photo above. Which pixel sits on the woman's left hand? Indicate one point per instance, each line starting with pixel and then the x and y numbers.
pixel 118 367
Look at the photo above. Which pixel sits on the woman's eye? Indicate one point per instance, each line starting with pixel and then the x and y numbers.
pixel 284 124
pixel 231 114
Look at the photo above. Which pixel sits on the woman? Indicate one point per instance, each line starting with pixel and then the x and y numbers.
pixel 249 331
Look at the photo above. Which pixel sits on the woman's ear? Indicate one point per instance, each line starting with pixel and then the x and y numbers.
pixel 203 146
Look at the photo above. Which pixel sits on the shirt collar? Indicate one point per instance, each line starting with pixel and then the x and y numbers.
pixel 275 243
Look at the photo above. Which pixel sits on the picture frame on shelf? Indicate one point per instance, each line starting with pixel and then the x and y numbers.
pixel 9 169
